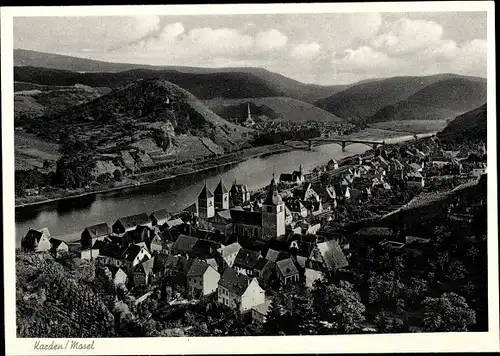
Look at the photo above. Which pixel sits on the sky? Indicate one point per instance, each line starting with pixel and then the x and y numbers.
pixel 324 49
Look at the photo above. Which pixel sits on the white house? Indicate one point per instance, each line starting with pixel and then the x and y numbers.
pixel 202 278
pixel 239 292
pixel 229 253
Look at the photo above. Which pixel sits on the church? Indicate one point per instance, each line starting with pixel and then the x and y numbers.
pixel 266 224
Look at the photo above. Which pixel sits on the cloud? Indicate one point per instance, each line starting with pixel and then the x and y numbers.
pixel 306 51
pixel 173 41
pixel 270 40
pixel 406 36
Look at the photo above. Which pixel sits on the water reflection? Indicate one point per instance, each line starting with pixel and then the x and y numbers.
pixel 71 216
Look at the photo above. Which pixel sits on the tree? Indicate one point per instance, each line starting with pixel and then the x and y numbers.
pixel 387 323
pixel 384 289
pixel 274 324
pixel 449 312
pixel 117 175
pixel 339 305
pixel 416 290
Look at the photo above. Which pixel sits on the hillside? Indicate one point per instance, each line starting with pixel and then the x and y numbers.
pixel 439 101
pixel 272 108
pixel 471 125
pixel 363 100
pixel 48 100
pixel 142 124
pixel 276 84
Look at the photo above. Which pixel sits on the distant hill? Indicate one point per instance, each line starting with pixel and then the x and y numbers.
pixel 361 101
pixel 129 118
pixel 471 125
pixel 439 101
pixel 273 84
pixel 273 108
pixel 47 100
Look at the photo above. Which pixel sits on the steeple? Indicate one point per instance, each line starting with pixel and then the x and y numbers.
pixel 273 197
pixel 249 115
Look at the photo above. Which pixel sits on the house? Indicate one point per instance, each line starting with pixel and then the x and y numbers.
pixel 222 222
pixel 229 253
pixel 275 255
pixel 325 193
pixel 297 209
pixel 160 217
pixel 202 279
pixel 144 272
pixel 415 167
pixel 127 257
pixel 154 244
pixel 312 276
pixel 478 171
pixel 58 246
pixel 93 233
pixel 169 224
pixel 37 240
pixel 239 292
pixel 415 179
pixel 129 223
pixel 307 193
pixel 184 245
pixel 313 207
pixel 287 272
pixel 332 164
pixel 296 177
pixel 245 261
pixel 117 275
pixel 328 256
pixel 259 312
pixel 264 270
pixel 174 269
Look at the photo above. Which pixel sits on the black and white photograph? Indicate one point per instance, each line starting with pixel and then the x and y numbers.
pixel 221 174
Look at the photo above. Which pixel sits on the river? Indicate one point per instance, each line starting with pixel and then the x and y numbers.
pixel 67 219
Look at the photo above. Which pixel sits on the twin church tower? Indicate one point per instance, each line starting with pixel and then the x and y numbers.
pixel 272 215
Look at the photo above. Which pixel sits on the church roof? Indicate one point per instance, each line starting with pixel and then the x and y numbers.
pixel 221 188
pixel 205 193
pixel 273 197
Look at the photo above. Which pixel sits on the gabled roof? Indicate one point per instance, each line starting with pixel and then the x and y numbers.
pixel 32 238
pixel 114 270
pixel 185 244
pixel 174 222
pixel 161 214
pixel 134 220
pixel 234 282
pixel 205 193
pixel 98 230
pixel 332 255
pixel 220 189
pixel 193 208
pixel 198 268
pixel 247 258
pixel 274 255
pixel 131 252
pixel 295 205
pixel 146 266
pixel 225 215
pixel 229 249
pixel 56 242
pixel 287 267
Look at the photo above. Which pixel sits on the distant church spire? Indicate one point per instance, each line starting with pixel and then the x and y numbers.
pixel 249 113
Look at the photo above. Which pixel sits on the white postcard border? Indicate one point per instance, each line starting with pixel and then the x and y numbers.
pixel 429 342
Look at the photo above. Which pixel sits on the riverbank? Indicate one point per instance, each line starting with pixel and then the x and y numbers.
pixel 149 178
pixel 234 158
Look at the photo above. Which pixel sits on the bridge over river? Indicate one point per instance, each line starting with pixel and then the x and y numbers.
pixel 346 141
